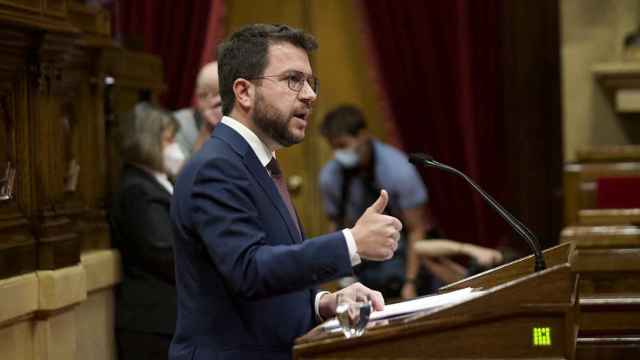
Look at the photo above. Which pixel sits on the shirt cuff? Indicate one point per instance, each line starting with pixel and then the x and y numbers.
pixel 351 245
pixel 317 303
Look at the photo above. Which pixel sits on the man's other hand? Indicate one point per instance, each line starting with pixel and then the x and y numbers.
pixel 354 292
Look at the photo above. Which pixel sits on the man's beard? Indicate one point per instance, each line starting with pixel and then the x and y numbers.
pixel 273 123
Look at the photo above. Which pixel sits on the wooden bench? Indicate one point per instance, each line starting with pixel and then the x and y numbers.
pixel 607 261
pixel 580 189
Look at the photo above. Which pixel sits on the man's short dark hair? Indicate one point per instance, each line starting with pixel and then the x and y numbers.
pixel 244 54
pixel 344 120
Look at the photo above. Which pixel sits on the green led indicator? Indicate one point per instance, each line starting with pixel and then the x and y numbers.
pixel 541 336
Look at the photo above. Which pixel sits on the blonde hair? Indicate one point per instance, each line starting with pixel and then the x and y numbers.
pixel 140 133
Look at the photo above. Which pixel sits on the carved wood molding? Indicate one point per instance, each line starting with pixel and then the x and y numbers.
pixel 7 158
pixel 44 15
pixel 50 127
pixel 56 58
pixel 91 19
pixel 134 70
pixel 17 243
pixel 14 152
pixel 14 46
pixel 95 230
pixel 58 241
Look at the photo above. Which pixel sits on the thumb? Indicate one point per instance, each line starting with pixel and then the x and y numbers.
pixel 381 203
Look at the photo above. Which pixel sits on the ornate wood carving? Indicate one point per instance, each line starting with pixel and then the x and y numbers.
pixel 7 161
pixel 36 14
pixel 61 81
pixel 54 111
pixel 58 241
pixel 17 243
pixel 94 22
pixel 95 230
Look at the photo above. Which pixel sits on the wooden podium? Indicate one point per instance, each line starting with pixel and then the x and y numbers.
pixel 521 315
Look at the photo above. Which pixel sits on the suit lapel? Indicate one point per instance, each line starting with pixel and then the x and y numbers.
pixel 263 179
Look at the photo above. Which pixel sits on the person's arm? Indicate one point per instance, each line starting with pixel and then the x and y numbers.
pixel 251 249
pixel 416 228
pixel 442 247
pixel 249 245
pixel 438 247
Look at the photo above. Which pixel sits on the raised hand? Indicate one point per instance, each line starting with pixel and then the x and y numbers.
pixel 376 235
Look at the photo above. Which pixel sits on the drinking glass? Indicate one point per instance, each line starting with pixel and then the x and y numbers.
pixel 353 315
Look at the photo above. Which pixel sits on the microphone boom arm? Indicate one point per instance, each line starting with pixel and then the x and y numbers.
pixel 515 223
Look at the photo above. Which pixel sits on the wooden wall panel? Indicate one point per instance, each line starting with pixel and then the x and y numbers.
pixel 53 127
pixel 17 243
pixel 54 57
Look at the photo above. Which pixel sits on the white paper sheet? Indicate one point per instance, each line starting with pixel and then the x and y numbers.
pixel 418 304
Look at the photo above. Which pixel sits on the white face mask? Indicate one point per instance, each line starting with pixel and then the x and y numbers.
pixel 347 157
pixel 173 158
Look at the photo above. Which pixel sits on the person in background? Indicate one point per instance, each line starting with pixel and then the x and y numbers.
pixel 245 272
pixel 361 167
pixel 197 124
pixel 141 230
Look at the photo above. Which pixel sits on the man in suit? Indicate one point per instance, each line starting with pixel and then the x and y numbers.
pixel 244 272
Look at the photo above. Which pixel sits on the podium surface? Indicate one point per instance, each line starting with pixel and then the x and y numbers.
pixel 519 315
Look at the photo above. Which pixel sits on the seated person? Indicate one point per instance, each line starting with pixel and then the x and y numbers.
pixel 141 230
pixel 348 183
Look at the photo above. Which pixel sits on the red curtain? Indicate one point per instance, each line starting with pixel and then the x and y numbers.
pixel 178 32
pixel 439 65
pixel 618 192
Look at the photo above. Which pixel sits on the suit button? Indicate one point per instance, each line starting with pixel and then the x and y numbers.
pixel 314 277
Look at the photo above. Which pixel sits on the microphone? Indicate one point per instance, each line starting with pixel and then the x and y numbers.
pixel 428 160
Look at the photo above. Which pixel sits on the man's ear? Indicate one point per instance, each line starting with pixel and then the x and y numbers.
pixel 245 93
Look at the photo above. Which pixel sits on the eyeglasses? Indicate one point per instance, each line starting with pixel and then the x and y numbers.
pixel 295 80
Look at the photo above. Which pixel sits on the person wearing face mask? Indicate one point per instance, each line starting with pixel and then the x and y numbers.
pixel 173 158
pixel 141 230
pixel 361 167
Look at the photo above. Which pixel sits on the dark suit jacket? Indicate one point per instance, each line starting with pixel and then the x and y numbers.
pixel 244 276
pixel 142 231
